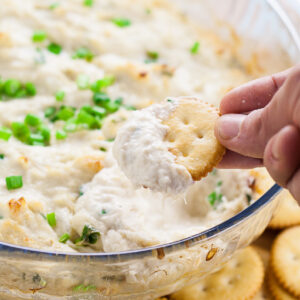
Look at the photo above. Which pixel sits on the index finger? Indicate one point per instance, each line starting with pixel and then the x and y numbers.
pixel 253 95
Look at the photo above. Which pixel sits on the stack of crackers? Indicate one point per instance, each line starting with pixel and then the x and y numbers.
pixel 268 269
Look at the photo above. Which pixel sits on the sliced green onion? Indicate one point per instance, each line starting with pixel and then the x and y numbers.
pixel 30 89
pixel 121 22
pixel 65 113
pixel 20 131
pixel 59 96
pixel 36 139
pixel 89 236
pixel 112 107
pixel 64 238
pixel 70 125
pixel 249 198
pixel 11 86
pixel 195 48
pixel 45 132
pixel 88 3
pixel 51 219
pixel 102 83
pixel 60 134
pixel 5 133
pixel 152 55
pixel 83 53
pixel 39 36
pixel 219 183
pixel 85 118
pixel 54 48
pixel 54 5
pixel 103 211
pixel 101 99
pixel 103 149
pixel 14 182
pixel 21 93
pixel 83 82
pixel 32 120
pixel 98 111
pixel 50 112
pixel 83 288
pixel 2 156
pixel 214 198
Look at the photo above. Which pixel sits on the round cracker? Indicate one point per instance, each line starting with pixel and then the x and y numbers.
pixel 287 213
pixel 277 291
pixel 285 259
pixel 192 137
pixel 239 279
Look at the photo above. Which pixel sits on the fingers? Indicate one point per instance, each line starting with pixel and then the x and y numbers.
pixel 232 160
pixel 249 134
pixel 253 95
pixel 282 156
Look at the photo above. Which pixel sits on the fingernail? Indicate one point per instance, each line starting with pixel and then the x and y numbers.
pixel 275 149
pixel 229 125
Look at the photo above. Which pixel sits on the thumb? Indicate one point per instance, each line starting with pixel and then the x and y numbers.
pixel 249 134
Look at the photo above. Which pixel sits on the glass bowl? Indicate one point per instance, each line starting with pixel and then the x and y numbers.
pixel 151 272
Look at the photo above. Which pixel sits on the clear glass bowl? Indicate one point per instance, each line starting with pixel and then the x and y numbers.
pixel 151 272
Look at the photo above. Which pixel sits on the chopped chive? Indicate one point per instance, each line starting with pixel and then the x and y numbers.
pixel 152 55
pixel 214 198
pixel 30 89
pixel 54 5
pixel 102 83
pixel 60 134
pixel 83 53
pixel 5 133
pixel 103 211
pixel 59 96
pixel 249 198
pixel 103 149
pixel 2 156
pixel 64 238
pixel 83 82
pixel 51 219
pixel 45 132
pixel 89 236
pixel 85 118
pixel 70 125
pixel 65 113
pixel 121 22
pixel 88 3
pixel 32 120
pixel 101 99
pixel 78 288
pixel 219 183
pixel 36 139
pixel 14 182
pixel 20 131
pixel 195 48
pixel 50 112
pixel 39 36
pixel 98 111
pixel 11 86
pixel 54 48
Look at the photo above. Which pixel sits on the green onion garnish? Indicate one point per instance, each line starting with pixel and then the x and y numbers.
pixel 195 48
pixel 51 219
pixel 65 113
pixel 21 131
pixel 50 112
pixel 121 22
pixel 98 85
pixel 83 288
pixel 83 82
pixel 30 89
pixel 54 48
pixel 54 5
pixel 5 133
pixel 219 183
pixel 64 238
pixel 32 120
pixel 103 149
pixel 60 134
pixel 101 99
pixel 152 55
pixel 249 198
pixel 36 139
pixel 39 36
pixel 11 86
pixel 88 2
pixel 14 182
pixel 89 236
pixel 83 53
pixel 103 211
pixel 59 96
pixel 214 198
pixel 2 156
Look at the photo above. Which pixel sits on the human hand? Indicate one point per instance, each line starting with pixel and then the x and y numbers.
pixel 260 125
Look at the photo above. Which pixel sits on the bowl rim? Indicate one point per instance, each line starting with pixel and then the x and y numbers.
pixel 203 236
pixel 266 198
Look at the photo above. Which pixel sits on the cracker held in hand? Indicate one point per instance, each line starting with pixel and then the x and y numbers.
pixel 191 134
pixel 240 279
pixel 285 259
pixel 167 146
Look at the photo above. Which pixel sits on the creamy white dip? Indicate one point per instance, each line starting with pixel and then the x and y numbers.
pixel 77 177
pixel 142 151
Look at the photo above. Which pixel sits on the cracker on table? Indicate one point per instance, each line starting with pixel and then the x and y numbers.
pixel 277 291
pixel 287 213
pixel 239 279
pixel 285 259
pixel 192 137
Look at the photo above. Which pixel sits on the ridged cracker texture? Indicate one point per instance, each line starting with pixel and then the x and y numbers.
pixel 192 138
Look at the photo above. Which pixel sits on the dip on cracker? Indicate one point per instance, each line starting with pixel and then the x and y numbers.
pixel 167 146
